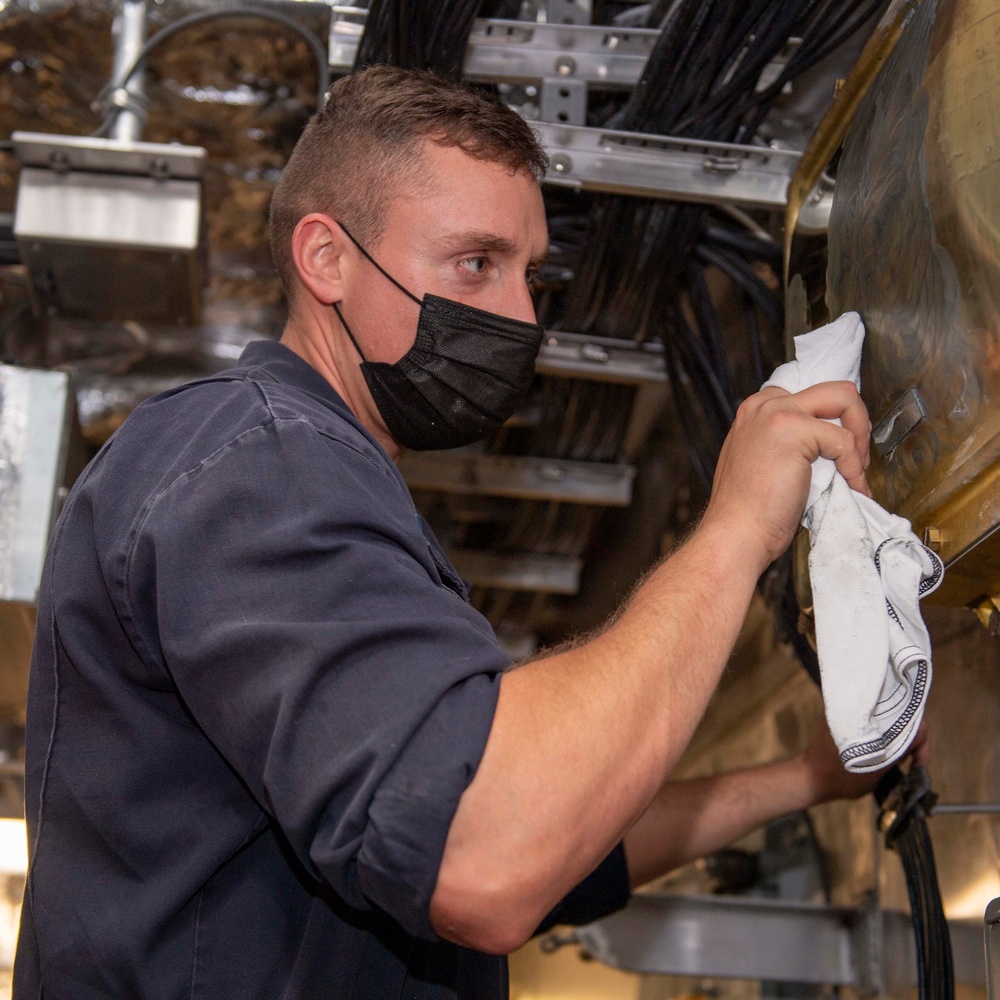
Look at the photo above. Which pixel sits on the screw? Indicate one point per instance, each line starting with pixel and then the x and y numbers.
pixel 561 163
pixel 565 65
pixel 59 161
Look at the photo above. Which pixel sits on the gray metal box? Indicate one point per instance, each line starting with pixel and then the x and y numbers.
pixel 36 414
pixel 111 230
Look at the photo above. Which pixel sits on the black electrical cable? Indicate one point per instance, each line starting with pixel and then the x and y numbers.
pixel 188 21
pixel 745 276
pixel 417 34
pixel 744 243
pixel 754 341
pixel 905 801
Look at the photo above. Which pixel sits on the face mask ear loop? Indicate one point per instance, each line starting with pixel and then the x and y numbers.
pixel 340 316
pixel 378 266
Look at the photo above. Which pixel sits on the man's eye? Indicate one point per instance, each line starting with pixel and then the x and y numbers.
pixel 477 265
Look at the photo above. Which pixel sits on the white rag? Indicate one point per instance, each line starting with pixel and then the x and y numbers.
pixel 868 572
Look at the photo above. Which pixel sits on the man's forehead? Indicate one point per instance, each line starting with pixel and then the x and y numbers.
pixel 464 203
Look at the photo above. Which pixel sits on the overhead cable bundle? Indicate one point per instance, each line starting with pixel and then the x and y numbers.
pixel 417 34
pixel 642 270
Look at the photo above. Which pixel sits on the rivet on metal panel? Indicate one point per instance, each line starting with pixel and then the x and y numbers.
pixel 561 163
pixel 565 65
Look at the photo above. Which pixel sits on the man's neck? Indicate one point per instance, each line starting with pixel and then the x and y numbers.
pixel 326 348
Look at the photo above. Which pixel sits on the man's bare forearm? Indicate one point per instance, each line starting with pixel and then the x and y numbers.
pixel 582 741
pixel 689 819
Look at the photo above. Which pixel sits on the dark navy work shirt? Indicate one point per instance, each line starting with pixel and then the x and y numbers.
pixel 256 697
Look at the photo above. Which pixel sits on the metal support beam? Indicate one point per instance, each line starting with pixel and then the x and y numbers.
pixel 544 574
pixel 600 359
pixel 726 937
pixel 774 940
pixel 524 478
pixel 500 51
pixel 667 167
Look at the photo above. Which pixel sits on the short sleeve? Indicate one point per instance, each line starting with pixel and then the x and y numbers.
pixel 288 590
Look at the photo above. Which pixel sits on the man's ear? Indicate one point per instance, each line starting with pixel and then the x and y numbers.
pixel 318 246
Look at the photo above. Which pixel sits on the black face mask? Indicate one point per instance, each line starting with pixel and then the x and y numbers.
pixel 461 379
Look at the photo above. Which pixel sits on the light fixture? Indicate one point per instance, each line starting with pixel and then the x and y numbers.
pixel 110 229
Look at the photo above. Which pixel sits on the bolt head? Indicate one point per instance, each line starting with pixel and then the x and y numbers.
pixel 561 163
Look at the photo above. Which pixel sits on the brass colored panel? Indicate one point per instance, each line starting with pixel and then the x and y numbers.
pixel 831 130
pixel 973 513
pixel 915 248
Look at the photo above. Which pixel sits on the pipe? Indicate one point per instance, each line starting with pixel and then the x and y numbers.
pixel 129 32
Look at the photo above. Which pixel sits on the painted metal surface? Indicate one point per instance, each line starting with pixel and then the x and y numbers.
pixel 637 163
pixel 771 940
pixel 915 248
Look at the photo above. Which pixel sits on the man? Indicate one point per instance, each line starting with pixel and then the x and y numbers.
pixel 272 750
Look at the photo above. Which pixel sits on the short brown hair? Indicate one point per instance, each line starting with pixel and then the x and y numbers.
pixel 356 152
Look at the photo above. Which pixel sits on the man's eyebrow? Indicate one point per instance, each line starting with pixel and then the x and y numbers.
pixel 481 240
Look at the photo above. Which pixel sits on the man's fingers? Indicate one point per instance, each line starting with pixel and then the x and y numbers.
pixel 841 400
pixel 832 400
pixel 840 445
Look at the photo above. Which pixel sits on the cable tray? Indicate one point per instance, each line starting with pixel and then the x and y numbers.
pixel 660 166
pixel 503 51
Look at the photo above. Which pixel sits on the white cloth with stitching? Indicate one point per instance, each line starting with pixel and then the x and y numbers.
pixel 868 571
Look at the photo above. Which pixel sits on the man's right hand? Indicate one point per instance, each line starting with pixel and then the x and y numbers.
pixel 762 477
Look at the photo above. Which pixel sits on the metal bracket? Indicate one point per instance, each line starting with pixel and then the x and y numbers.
pixel 563 100
pixel 750 938
pixel 666 167
pixel 600 359
pixel 524 478
pixel 502 51
pixel 65 153
pixel 567 11
pixel 906 414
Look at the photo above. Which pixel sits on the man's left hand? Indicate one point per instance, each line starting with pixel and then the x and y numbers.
pixel 828 776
